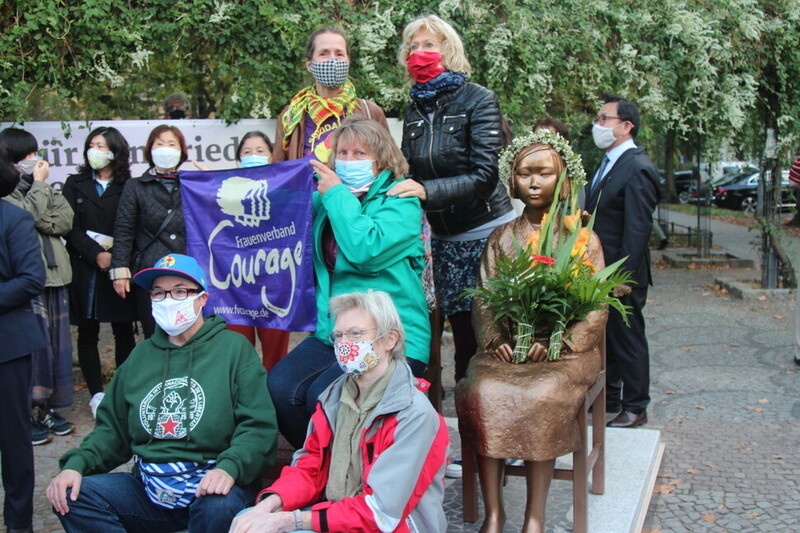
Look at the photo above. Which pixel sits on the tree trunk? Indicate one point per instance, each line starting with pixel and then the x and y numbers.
pixel 669 165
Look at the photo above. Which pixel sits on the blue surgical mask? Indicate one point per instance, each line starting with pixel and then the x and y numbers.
pixel 254 160
pixel 357 175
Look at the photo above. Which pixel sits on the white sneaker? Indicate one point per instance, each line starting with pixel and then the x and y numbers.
pixel 454 469
pixel 94 403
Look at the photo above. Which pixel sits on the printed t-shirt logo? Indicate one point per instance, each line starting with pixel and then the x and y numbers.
pixel 171 421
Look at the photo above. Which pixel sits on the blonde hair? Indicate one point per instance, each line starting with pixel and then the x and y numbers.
pixel 376 139
pixel 555 157
pixel 453 56
pixel 381 308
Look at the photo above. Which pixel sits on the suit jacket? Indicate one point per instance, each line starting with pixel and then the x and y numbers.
pixel 623 204
pixel 22 277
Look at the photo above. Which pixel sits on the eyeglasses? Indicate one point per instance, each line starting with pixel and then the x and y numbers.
pixel 354 335
pixel 427 46
pixel 175 294
pixel 602 119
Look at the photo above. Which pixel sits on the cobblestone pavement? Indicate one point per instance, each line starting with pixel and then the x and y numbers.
pixel 725 394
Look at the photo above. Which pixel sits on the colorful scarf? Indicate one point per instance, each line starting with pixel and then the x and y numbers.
pixel 426 94
pixel 318 108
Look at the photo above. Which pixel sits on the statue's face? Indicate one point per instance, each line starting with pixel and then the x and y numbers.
pixel 535 178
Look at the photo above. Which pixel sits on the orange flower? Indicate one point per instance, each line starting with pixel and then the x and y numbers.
pixel 533 240
pixel 582 244
pixel 571 221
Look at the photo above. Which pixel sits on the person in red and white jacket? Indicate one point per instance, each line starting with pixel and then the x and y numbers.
pixel 375 453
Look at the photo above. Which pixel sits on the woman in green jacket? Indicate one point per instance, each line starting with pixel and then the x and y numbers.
pixel 363 240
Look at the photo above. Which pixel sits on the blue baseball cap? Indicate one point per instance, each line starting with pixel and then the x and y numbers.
pixel 183 266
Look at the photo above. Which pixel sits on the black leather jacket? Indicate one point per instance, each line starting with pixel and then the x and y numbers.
pixel 455 158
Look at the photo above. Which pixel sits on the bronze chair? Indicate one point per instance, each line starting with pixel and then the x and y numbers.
pixel 585 460
pixel 434 371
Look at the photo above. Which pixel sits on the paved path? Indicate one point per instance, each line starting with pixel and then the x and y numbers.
pixel 725 394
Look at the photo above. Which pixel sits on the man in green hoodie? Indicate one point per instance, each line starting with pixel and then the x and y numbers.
pixel 190 405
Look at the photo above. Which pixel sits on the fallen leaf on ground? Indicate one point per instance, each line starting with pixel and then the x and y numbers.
pixel 701 407
pixel 762 298
pixel 687 349
pixel 753 514
pixel 777 316
pixel 721 506
pixel 710 517
pixel 756 409
pixel 777 457
pixel 763 400
pixel 663 489
pixel 669 392
pixel 694 471
pixel 743 447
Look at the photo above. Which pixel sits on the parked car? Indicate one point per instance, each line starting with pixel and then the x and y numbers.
pixel 683 181
pixel 742 194
pixel 706 192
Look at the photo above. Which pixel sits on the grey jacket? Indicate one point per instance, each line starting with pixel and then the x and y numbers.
pixel 52 216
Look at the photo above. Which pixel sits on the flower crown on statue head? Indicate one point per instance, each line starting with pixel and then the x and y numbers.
pixel 575 171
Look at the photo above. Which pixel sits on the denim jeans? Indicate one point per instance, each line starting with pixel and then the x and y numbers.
pixel 297 381
pixel 118 503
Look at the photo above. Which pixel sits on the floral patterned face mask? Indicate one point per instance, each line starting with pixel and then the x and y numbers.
pixel 356 358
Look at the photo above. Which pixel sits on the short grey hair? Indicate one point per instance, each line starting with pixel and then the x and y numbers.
pixel 381 308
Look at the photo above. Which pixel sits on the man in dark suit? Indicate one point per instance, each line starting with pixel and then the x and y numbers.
pixel 22 277
pixel 622 194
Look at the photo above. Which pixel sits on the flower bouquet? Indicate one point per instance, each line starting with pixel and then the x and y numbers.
pixel 551 283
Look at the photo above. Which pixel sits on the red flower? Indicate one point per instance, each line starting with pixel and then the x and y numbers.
pixel 549 261
pixel 347 352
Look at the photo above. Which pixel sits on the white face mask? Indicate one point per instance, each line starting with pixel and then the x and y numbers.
pixel 603 136
pixel 26 165
pixel 355 358
pixel 175 316
pixel 99 158
pixel 165 157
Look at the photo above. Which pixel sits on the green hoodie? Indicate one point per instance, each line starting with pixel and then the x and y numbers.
pixel 380 248
pixel 231 413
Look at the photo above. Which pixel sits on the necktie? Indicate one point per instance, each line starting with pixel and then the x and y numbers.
pixel 599 176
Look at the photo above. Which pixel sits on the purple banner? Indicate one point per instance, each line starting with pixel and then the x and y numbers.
pixel 250 229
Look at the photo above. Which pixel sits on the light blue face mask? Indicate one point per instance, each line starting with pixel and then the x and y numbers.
pixel 254 160
pixel 357 175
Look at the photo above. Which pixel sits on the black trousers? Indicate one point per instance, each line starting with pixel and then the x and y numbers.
pixel 16 447
pixel 143 309
pixel 89 355
pixel 628 356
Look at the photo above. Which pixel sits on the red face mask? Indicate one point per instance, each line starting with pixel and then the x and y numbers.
pixel 424 66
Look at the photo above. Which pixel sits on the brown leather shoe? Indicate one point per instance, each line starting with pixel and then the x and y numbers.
pixel 628 419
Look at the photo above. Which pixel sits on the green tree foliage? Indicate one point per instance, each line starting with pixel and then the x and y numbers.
pixel 705 73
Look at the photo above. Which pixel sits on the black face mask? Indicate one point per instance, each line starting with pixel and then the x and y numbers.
pixel 177 114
